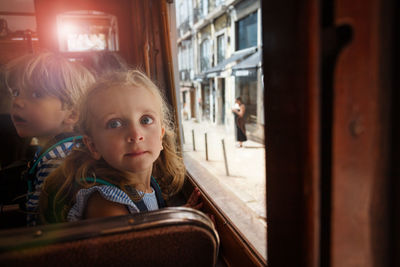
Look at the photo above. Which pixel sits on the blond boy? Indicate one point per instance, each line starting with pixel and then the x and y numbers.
pixel 45 88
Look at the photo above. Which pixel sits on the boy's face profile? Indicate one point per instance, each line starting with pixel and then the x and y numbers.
pixel 36 114
pixel 126 128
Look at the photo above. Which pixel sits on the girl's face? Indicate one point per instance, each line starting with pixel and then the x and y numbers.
pixel 126 128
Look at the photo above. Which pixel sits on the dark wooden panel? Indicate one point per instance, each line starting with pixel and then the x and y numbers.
pixel 291 70
pixel 361 139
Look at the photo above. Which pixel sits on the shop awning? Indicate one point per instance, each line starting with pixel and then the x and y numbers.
pixel 251 62
pixel 234 57
pixel 200 77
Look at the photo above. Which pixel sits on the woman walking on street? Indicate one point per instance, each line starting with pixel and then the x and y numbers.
pixel 239 110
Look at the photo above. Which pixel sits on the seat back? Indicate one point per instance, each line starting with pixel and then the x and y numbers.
pixel 167 237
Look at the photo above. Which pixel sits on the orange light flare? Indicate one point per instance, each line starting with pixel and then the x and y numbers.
pixel 67 28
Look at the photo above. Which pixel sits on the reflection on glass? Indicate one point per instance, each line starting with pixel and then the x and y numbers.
pixel 87 30
pixel 85 42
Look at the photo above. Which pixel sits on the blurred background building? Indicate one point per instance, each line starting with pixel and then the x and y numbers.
pixel 219 58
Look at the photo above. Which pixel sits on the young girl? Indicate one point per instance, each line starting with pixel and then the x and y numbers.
pixel 129 153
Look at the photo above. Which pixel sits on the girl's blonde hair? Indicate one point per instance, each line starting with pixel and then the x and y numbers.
pixel 52 73
pixel 60 188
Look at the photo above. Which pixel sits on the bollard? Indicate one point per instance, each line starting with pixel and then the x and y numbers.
pixel 194 144
pixel 205 142
pixel 225 160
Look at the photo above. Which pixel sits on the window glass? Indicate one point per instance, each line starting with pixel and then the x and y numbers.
pixel 233 177
pixel 18 30
pixel 220 48
pixel 185 60
pixel 246 32
pixel 87 30
pixel 219 2
pixel 205 62
pixel 204 4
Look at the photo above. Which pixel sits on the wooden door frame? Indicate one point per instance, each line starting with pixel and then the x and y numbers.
pixel 331 175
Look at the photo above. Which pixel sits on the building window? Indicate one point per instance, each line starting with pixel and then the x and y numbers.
pixel 246 32
pixel 185 60
pixel 204 7
pixel 220 48
pixel 205 55
pixel 219 2
pixel 180 51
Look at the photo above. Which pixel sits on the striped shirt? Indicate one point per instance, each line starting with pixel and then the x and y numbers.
pixel 45 166
pixel 110 193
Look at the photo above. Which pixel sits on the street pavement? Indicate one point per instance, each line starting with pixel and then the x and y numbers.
pixel 240 192
pixel 246 165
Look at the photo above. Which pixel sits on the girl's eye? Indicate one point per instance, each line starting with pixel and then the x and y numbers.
pixel 36 95
pixel 114 124
pixel 146 120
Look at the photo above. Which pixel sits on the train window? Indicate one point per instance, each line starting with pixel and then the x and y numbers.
pixel 219 49
pixel 219 45
pixel 86 30
pixel 18 31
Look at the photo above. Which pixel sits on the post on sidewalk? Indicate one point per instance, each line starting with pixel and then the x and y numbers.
pixel 183 135
pixel 194 143
pixel 205 142
pixel 225 160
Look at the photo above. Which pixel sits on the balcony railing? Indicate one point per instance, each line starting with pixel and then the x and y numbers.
pixel 183 28
pixel 199 12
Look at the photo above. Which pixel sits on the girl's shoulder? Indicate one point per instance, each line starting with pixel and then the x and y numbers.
pixel 98 206
pixel 107 192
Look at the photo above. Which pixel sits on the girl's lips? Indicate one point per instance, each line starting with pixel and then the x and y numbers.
pixel 135 154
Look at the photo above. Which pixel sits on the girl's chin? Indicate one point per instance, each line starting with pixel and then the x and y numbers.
pixel 139 169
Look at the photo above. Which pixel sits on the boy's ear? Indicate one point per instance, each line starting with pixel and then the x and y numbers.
pixel 92 148
pixel 72 117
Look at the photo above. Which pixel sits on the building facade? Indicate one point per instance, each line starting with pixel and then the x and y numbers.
pixel 219 59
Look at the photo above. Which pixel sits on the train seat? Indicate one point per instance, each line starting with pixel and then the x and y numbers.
pixel 167 237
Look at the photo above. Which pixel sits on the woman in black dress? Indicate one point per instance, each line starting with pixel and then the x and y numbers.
pixel 239 109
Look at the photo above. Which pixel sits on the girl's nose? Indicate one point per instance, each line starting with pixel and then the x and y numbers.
pixel 132 139
pixel 135 136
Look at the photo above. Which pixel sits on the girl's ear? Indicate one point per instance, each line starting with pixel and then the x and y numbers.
pixel 92 148
pixel 162 136
pixel 162 132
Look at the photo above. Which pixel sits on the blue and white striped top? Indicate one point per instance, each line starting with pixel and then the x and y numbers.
pixel 49 162
pixel 110 193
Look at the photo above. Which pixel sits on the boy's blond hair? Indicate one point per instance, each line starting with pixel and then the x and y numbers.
pixel 52 73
